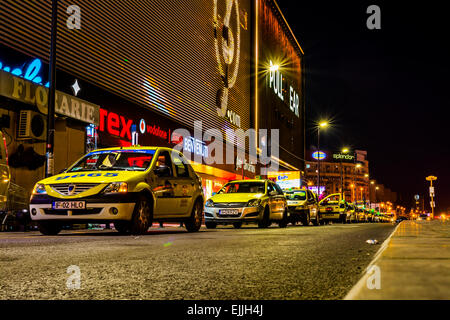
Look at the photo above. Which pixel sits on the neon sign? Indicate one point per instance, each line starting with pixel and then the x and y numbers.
pixel 196 146
pixel 319 155
pixel 276 82
pixel 120 126
pixel 31 71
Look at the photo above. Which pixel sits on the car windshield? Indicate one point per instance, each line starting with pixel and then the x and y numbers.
pixel 330 200
pixel 108 160
pixel 243 187
pixel 296 195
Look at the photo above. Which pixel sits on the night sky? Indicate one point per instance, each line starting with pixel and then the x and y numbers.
pixel 386 90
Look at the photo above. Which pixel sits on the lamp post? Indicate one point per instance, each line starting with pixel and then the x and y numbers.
pixel 344 150
pixel 49 169
pixel 357 165
pixel 322 124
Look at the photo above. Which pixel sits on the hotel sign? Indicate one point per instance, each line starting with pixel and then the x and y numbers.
pixel 26 91
pixel 344 157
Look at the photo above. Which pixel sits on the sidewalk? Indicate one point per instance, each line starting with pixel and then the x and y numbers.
pixel 415 264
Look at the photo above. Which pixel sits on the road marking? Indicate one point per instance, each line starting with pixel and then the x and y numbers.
pixel 362 282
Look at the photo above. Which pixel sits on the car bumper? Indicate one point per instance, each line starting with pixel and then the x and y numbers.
pixel 246 214
pixel 98 208
pixel 330 215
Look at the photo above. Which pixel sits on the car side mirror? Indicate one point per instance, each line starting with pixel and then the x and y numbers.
pixel 214 193
pixel 162 171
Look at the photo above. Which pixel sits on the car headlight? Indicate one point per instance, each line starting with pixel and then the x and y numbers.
pixel 39 189
pixel 254 203
pixel 116 187
pixel 209 203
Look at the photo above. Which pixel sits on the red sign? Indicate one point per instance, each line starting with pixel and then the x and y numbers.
pixel 120 126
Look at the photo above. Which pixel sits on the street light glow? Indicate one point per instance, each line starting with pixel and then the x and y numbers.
pixel 345 150
pixel 274 67
pixel 323 124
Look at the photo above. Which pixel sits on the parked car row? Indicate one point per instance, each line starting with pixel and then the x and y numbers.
pixel 133 187
pixel 334 208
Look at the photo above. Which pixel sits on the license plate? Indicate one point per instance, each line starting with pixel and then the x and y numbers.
pixel 229 212
pixel 69 205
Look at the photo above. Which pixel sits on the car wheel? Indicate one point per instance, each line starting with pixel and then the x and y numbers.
pixel 265 221
pixel 237 225
pixel 210 225
pixel 317 221
pixel 195 221
pixel 142 216
pixel 306 219
pixel 284 221
pixel 123 227
pixel 49 228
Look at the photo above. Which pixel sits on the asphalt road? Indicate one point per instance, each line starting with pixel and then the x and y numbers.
pixel 294 263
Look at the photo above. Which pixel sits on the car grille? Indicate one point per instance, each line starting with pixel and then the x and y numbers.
pixel 63 188
pixel 77 212
pixel 230 204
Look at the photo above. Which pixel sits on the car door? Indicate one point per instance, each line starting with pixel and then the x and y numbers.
pixel 282 202
pixel 184 185
pixel 276 199
pixel 312 206
pixel 165 184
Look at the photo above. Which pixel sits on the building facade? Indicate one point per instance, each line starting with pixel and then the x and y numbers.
pixel 168 72
pixel 347 173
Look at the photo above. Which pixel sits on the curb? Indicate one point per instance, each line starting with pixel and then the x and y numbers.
pixel 362 282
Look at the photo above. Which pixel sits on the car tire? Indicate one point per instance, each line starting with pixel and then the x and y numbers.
pixel 284 221
pixel 49 228
pixel 265 221
pixel 316 221
pixel 123 227
pixel 195 221
pixel 237 225
pixel 210 225
pixel 306 219
pixel 343 218
pixel 142 218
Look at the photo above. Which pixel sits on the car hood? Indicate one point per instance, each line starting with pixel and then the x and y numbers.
pixel 91 177
pixel 235 197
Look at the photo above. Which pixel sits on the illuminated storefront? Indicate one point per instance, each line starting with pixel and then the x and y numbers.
pixel 159 68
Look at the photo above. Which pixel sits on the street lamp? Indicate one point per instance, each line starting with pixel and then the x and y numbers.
pixel 344 150
pixel 358 165
pixel 323 125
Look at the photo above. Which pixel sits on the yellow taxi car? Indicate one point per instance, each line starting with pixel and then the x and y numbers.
pixel 129 186
pixel 246 201
pixel 333 208
pixel 303 206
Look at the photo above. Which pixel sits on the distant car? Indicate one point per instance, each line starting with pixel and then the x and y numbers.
pixel 333 208
pixel 352 214
pixel 400 219
pixel 247 201
pixel 303 207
